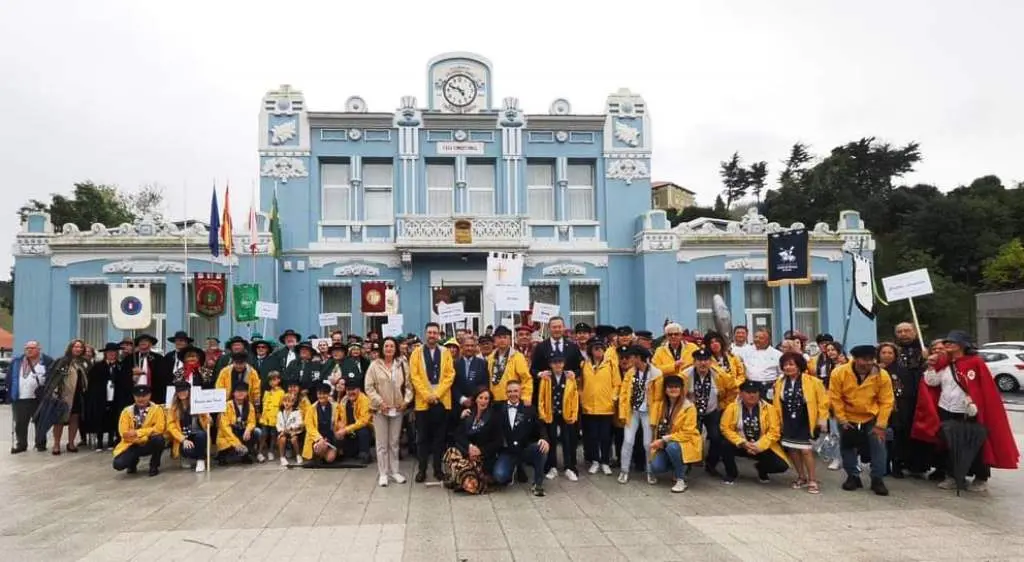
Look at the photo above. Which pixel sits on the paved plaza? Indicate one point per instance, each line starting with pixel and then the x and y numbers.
pixel 75 507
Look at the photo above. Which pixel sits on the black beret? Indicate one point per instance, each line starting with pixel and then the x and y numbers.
pixel 583 328
pixel 485 339
pixel 750 386
pixel 701 355
pixel 604 330
pixel 182 386
pixel 637 351
pixel 324 387
pixel 596 342
pixel 141 390
pixel 557 357
pixel 502 331
pixel 625 331
pixel 673 380
pixel 822 338
pixel 623 350
pixel 863 352
pixel 241 387
pixel 644 334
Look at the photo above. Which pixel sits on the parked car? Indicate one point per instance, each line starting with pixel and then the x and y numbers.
pixel 1007 367
pixel 1004 345
pixel 5 368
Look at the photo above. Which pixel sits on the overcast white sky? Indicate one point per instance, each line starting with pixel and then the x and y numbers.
pixel 135 92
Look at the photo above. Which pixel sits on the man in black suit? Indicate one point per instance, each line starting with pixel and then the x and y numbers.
pixel 525 441
pixel 541 363
pixel 470 374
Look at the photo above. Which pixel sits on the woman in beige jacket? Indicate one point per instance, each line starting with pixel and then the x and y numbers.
pixel 390 391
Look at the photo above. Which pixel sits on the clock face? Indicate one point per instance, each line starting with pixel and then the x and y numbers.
pixel 459 90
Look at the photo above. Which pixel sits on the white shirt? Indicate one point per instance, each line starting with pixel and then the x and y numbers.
pixel 30 380
pixel 558 345
pixel 512 414
pixel 762 364
pixel 741 351
pixel 952 398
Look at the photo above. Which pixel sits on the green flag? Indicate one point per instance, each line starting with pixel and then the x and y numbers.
pixel 275 229
pixel 246 295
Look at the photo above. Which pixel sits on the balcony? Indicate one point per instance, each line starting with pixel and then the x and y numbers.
pixel 455 232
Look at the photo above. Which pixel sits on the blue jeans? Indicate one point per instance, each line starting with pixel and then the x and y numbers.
pixel 671 457
pixel 507 461
pixel 851 440
pixel 198 452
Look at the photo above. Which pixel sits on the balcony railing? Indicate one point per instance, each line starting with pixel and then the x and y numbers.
pixel 425 231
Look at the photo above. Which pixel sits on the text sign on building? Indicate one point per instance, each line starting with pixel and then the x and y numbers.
pixel 907 285
pixel 460 148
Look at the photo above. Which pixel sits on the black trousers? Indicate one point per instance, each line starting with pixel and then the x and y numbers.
pixel 559 431
pixel 597 439
pixel 153 448
pixel 23 410
pixel 431 433
pixel 765 462
pixel 107 425
pixel 711 422
pixel 979 469
pixel 355 443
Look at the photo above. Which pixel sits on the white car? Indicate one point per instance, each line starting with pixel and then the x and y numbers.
pixel 1004 345
pixel 1006 365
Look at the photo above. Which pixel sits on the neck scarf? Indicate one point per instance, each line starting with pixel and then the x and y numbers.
pixel 432 361
pixel 140 416
pixel 677 353
pixel 500 361
pixel 702 390
pixel 665 425
pixel 723 361
pixel 241 414
pixel 751 421
pixel 793 397
pixel 639 387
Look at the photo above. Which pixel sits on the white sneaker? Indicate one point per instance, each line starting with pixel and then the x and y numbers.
pixel 606 470
pixel 261 458
pixel 200 466
pixel 571 476
pixel 652 480
pixel 947 484
pixel 270 457
pixel 594 467
pixel 398 478
pixel 679 487
pixel 383 481
pixel 284 461
pixel 552 474
pixel 836 464
pixel 623 477
pixel 978 486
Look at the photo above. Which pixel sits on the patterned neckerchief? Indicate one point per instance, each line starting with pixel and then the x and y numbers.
pixel 639 386
pixel 499 365
pixel 751 422
pixel 140 416
pixel 723 361
pixel 702 390
pixel 793 397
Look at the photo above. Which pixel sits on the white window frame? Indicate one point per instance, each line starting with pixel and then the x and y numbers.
pixel 79 315
pixel 721 288
pixel 571 187
pixel 389 188
pixel 344 322
pixel 815 288
pixel 589 316
pixel 345 188
pixel 531 188
pixel 437 188
pixel 470 188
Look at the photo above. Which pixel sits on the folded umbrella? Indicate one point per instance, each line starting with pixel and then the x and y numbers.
pixel 963 439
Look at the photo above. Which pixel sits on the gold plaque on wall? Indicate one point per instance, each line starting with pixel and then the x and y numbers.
pixel 463 231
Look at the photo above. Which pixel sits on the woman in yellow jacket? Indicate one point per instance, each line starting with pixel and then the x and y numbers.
pixel 640 403
pixel 679 442
pixel 141 427
pixel 750 427
pixel 715 344
pixel 236 428
pixel 801 404
pixel 601 383
pixel 558 406
pixel 187 433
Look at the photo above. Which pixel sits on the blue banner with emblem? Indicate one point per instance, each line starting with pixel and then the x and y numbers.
pixel 789 257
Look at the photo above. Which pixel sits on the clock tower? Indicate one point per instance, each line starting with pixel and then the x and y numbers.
pixel 459 83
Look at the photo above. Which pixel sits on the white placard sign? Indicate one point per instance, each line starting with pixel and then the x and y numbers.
pixel 907 285
pixel 450 313
pixel 543 312
pixel 460 148
pixel 328 319
pixel 504 270
pixel 266 310
pixel 394 326
pixel 209 401
pixel 512 299
pixel 169 393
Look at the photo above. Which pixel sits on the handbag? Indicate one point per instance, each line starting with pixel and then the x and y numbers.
pixel 827 447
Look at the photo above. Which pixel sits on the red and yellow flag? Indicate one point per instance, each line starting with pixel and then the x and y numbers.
pixel 226 233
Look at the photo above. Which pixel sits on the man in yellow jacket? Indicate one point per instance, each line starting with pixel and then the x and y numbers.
pixel 141 427
pixel 432 372
pixel 751 428
pixel 860 393
pixel 675 356
pixel 355 424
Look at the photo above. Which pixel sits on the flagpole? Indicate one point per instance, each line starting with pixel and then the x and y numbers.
pixel 184 205
pixel 276 262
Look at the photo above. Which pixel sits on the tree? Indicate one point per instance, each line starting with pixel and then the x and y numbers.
pixel 148 200
pixel 1005 270
pixel 720 205
pixel 734 178
pixel 756 176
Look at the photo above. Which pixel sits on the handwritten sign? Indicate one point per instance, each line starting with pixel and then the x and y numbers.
pixel 512 299
pixel 266 310
pixel 208 401
pixel 450 313
pixel 544 312
pixel 328 319
pixel 907 285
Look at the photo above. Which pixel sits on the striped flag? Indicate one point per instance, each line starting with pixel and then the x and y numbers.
pixel 226 231
pixel 214 224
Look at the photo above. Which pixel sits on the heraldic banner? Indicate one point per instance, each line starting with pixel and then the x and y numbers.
pixel 374 293
pixel 210 292
pixel 131 306
pixel 246 295
pixel 789 258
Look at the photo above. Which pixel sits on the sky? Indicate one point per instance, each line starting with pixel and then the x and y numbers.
pixel 133 93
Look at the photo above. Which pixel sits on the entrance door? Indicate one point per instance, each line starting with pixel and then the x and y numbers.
pixel 466 286
pixel 758 319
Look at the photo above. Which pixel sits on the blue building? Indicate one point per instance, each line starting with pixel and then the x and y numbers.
pixel 418 197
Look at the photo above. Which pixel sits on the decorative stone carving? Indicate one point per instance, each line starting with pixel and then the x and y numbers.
pixel 284 132
pixel 627 170
pixel 561 136
pixel 31 246
pixel 355 104
pixel 511 116
pixel 355 270
pixel 284 168
pixel 440 231
pixel 564 269
pixel 354 134
pixel 388 261
pixel 408 115
pixel 626 134
pixel 285 100
pixel 560 106
pixel 144 266
pixel 751 224
pixel 657 242
pixel 460 135
pixel 759 264
pixel 594 260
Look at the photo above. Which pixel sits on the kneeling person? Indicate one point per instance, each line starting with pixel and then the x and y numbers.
pixel 321 443
pixel 679 442
pixel 238 435
pixel 187 432
pixel 353 428
pixel 525 439
pixel 751 428
pixel 141 427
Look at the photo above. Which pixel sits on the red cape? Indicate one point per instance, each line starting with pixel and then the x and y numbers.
pixel 1000 449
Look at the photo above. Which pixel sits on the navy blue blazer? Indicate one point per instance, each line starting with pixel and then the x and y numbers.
pixel 467 381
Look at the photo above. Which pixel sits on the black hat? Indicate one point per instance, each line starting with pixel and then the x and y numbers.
pixel 556 357
pixel 237 339
pixel 958 337
pixel 644 334
pixel 180 335
pixel 583 328
pixel 289 332
pixel 146 337
pixel 485 339
pixel 305 344
pixel 292 382
pixel 673 380
pixel 127 341
pixel 197 351
pixel 313 337
pixel 863 352
pixel 637 351
pixel 624 331
pixel 324 387
pixel 337 347
pixel 182 386
pixel 141 390
pixel 502 331
pixel 604 330
pixel 701 355
pixel 822 338
pixel 596 342
pixel 240 356
pixel 111 346
pixel 750 386
pixel 241 386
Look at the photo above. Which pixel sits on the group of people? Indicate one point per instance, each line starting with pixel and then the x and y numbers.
pixel 484 411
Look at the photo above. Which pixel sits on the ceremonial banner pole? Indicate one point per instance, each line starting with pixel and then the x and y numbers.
pixel 184 236
pixel 209 465
pixel 277 262
pixel 853 292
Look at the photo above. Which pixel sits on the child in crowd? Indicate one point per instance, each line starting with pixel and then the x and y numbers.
pixel 268 419
pixel 290 425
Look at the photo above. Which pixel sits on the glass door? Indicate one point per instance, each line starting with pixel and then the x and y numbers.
pixel 471 297
pixel 759 319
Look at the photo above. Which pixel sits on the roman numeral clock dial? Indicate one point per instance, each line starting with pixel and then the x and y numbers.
pixel 459 90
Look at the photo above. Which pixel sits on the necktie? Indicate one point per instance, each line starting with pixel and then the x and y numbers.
pixel 558 346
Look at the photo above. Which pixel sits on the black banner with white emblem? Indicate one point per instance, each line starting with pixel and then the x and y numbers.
pixel 789 258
